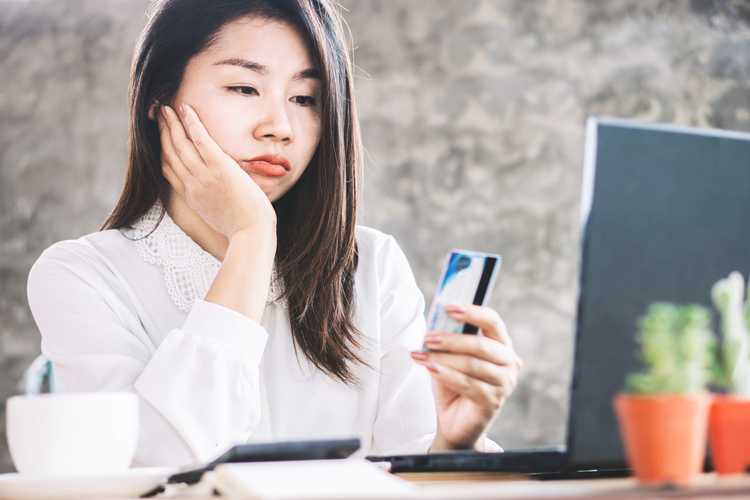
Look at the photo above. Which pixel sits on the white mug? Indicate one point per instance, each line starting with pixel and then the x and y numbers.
pixel 72 433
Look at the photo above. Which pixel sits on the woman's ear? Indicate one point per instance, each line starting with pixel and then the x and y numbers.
pixel 152 110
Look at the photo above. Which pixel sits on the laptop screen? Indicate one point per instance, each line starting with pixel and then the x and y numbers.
pixel 666 213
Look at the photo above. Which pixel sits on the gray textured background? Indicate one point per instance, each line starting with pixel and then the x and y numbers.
pixel 472 114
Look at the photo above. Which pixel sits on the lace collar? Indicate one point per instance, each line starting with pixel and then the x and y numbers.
pixel 188 270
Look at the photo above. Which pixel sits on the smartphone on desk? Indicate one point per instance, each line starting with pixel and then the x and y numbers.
pixel 467 277
pixel 273 452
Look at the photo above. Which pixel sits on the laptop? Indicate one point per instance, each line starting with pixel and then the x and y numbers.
pixel 665 214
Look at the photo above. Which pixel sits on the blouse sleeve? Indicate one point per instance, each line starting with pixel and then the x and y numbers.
pixel 199 389
pixel 406 419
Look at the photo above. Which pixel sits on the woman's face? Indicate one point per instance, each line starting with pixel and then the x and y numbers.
pixel 256 91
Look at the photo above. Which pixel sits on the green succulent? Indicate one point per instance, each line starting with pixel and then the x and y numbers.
pixel 734 355
pixel 677 345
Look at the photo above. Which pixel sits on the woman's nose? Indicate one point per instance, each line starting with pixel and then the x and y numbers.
pixel 274 124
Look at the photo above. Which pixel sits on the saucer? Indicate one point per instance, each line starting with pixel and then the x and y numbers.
pixel 129 483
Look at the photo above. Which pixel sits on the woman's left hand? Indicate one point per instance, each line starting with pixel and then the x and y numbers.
pixel 472 376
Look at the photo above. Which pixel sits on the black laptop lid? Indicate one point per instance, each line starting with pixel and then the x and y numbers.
pixel 669 215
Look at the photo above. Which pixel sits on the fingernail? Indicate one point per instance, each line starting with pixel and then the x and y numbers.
pixel 455 308
pixel 163 111
pixel 432 343
pixel 432 366
pixel 433 336
pixel 420 356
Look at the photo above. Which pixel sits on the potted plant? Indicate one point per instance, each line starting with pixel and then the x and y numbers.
pixel 663 414
pixel 729 427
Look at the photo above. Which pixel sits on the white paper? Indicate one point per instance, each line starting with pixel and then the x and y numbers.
pixel 346 478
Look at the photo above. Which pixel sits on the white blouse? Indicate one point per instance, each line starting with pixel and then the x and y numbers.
pixel 124 310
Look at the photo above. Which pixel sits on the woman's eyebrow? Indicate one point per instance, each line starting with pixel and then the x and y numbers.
pixel 313 73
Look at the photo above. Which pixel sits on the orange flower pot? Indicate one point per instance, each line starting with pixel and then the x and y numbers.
pixel 664 436
pixel 729 433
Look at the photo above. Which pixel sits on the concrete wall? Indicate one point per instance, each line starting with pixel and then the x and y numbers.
pixel 472 113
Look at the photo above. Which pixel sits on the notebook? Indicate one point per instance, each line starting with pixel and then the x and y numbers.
pixel 304 479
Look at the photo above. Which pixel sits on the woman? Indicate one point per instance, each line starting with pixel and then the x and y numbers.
pixel 231 288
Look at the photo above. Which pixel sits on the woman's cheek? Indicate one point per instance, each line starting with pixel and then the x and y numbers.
pixel 314 130
pixel 223 127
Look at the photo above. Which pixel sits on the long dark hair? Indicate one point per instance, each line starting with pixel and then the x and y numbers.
pixel 317 251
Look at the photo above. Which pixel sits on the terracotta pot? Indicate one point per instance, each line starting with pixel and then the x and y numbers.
pixel 664 436
pixel 729 432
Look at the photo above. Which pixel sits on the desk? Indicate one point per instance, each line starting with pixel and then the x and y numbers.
pixel 483 485
pixel 498 485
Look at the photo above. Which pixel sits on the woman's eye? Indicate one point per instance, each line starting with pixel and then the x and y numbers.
pixel 304 100
pixel 244 90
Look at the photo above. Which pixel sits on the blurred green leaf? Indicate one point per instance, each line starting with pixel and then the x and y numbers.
pixel 677 348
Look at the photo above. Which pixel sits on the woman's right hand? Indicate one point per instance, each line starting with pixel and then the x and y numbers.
pixel 210 181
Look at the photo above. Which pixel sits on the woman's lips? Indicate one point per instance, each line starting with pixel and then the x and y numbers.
pixel 264 168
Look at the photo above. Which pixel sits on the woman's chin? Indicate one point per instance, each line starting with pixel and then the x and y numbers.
pixel 268 186
pixel 273 194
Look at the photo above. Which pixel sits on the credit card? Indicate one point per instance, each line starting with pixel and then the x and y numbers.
pixel 467 278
